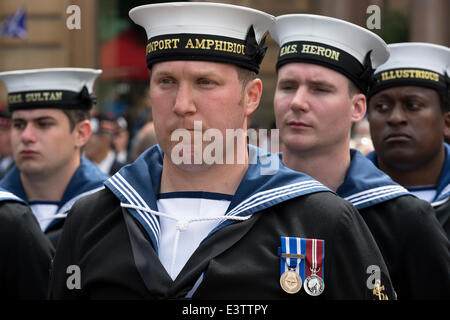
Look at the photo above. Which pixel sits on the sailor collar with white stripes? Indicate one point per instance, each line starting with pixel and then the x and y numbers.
pixel 8 196
pixel 365 185
pixel 87 179
pixel 137 185
pixel 443 186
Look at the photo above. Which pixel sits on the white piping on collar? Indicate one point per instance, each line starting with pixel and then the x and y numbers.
pixel 134 198
pixel 268 195
pixel 6 195
pixel 374 194
pixel 438 203
pixel 66 207
pixel 62 213
pixel 446 190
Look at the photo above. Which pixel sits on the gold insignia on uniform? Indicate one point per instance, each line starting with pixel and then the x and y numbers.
pixel 377 291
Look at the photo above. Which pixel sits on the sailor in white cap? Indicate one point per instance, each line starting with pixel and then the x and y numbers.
pixel 162 229
pixel 121 140
pixel 100 147
pixel 409 114
pixel 325 67
pixel 50 110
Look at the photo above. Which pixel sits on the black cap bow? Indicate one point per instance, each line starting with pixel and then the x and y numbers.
pixel 86 98
pixel 446 93
pixel 254 50
pixel 366 76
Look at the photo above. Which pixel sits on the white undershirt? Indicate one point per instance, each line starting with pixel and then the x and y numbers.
pixel 106 164
pixel 6 162
pixel 122 156
pixel 174 253
pixel 427 193
pixel 44 213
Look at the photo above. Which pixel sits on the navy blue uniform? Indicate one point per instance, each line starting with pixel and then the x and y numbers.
pixel 25 253
pixel 86 179
pixel 408 234
pixel 116 248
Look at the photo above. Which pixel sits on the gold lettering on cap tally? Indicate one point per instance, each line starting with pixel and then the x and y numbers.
pixel 201 44
pixel 291 48
pixel 217 45
pixel 43 96
pixel 162 45
pixel 15 98
pixel 196 43
pixel 320 51
pixel 409 74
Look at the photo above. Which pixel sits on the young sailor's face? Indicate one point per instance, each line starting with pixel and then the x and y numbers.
pixel 193 97
pixel 312 107
pixel 407 125
pixel 42 140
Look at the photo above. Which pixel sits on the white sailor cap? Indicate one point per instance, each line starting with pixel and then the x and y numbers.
pixel 415 64
pixel 63 88
pixel 204 31
pixel 342 46
pixel 104 123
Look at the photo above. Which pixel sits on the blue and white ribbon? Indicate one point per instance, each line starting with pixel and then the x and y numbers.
pixel 291 245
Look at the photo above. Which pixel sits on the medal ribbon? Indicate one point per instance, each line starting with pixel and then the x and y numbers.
pixel 315 254
pixel 294 246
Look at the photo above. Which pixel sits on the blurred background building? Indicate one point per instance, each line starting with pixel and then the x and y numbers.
pixel 108 39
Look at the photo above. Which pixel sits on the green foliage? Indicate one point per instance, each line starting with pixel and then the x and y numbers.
pixel 394 27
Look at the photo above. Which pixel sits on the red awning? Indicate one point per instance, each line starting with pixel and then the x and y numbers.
pixel 123 58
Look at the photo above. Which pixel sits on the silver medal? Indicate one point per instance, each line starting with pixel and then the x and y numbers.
pixel 314 285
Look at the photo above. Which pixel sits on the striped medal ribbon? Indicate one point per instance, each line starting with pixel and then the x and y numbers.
pixel 315 254
pixel 292 263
